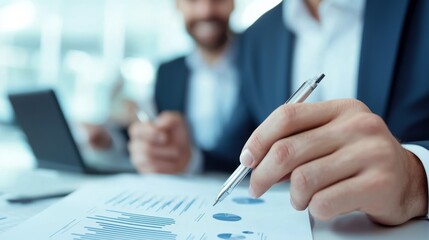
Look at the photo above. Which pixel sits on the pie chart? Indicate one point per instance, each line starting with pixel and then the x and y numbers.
pixel 247 200
pixel 230 236
pixel 226 217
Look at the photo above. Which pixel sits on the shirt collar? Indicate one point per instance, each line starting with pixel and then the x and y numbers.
pixel 195 61
pixel 297 17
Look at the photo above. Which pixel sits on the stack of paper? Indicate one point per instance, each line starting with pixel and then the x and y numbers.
pixel 164 208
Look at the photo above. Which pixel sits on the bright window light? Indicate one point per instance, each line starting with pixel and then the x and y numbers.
pixel 254 10
pixel 17 16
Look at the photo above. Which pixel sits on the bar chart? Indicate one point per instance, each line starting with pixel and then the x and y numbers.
pixel 114 224
pixel 162 210
pixel 157 203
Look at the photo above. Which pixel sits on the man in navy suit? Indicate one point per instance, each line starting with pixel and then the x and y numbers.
pixel 200 91
pixel 367 151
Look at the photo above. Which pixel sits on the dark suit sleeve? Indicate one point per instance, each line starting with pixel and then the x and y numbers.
pixel 171 86
pixel 424 144
pixel 161 90
pixel 158 90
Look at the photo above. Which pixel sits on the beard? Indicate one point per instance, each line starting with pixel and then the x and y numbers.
pixel 210 34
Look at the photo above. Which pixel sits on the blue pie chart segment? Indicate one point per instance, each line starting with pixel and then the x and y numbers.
pixel 226 217
pixel 247 200
pixel 230 236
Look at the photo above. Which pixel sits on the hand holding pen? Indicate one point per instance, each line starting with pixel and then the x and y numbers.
pixel 160 144
pixel 241 172
pixel 339 157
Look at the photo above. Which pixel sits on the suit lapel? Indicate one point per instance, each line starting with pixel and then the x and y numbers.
pixel 181 88
pixel 282 75
pixel 381 36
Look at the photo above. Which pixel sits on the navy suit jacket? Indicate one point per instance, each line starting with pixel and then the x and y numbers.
pixel 171 94
pixel 393 76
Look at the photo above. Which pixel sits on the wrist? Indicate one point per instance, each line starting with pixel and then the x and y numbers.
pixel 417 193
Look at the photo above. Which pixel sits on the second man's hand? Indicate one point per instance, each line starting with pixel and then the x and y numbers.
pixel 162 146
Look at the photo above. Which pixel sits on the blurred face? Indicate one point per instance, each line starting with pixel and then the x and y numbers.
pixel 207 21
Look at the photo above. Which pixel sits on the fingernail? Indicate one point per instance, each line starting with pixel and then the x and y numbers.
pixel 252 192
pixel 292 203
pixel 246 158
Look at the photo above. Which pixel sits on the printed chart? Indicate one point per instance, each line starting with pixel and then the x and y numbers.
pixel 164 209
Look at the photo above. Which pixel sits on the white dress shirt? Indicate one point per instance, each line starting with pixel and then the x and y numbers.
pixel 211 97
pixel 331 45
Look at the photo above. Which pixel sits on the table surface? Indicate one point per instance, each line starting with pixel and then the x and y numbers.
pixel 15 156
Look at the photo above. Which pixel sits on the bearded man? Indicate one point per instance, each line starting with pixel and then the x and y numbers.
pixel 201 124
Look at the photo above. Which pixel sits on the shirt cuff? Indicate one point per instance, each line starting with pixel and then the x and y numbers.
pixel 195 166
pixel 423 154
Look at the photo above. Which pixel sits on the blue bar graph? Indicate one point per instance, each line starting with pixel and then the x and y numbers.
pixel 178 205
pixel 155 203
pixel 114 199
pixel 166 204
pixel 188 205
pixel 135 200
pixel 146 202
pixel 124 225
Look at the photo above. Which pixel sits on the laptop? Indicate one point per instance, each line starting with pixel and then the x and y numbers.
pixel 39 115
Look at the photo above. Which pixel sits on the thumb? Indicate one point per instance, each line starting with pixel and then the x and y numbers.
pixel 169 120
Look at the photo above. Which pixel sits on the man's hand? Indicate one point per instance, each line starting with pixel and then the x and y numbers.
pixel 160 147
pixel 98 137
pixel 340 158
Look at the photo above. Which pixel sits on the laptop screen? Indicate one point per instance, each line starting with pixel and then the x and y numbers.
pixel 39 115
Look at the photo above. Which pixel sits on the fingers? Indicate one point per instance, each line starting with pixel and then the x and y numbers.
pixel 164 167
pixel 341 198
pixel 98 137
pixel 289 153
pixel 291 119
pixel 315 176
pixel 156 132
pixel 100 140
pixel 147 132
pixel 169 120
pixel 358 166
pixel 152 158
pixel 144 152
pixel 162 146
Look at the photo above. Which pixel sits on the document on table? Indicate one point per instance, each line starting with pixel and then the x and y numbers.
pixel 14 214
pixel 162 208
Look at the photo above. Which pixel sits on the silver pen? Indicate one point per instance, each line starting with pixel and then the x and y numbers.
pixel 144 116
pixel 240 173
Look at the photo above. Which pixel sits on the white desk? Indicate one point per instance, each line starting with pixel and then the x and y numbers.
pixel 352 226
pixel 358 226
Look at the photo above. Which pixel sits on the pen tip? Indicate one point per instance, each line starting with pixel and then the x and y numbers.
pixel 215 202
pixel 320 78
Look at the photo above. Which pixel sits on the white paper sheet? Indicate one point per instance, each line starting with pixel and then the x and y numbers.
pixel 164 208
pixel 14 214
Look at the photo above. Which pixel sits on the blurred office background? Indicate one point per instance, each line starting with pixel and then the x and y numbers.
pixel 95 53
